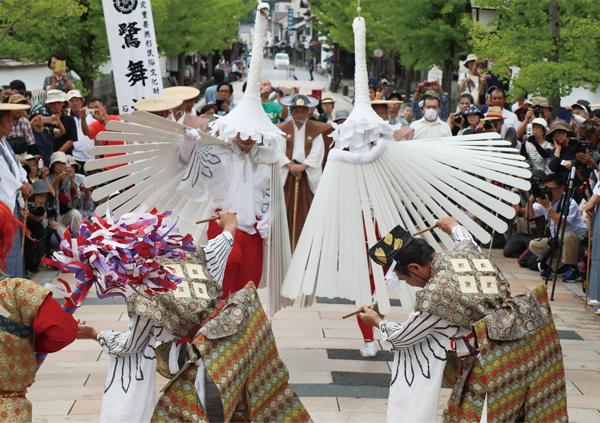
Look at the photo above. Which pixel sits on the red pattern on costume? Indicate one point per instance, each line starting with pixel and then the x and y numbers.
pixel 54 328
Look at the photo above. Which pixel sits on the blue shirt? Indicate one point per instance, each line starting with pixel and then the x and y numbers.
pixel 444 108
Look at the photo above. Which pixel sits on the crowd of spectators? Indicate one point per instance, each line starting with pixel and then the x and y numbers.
pixel 553 142
pixel 44 148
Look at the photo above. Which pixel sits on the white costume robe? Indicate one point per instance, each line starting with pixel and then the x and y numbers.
pixel 12 176
pixel 314 160
pixel 419 347
pixel 234 179
pixel 129 395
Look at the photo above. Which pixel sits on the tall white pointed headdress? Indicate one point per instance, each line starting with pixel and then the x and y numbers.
pixel 249 118
pixel 363 126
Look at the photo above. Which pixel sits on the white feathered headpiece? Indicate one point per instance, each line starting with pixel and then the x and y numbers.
pixel 249 118
pixel 363 126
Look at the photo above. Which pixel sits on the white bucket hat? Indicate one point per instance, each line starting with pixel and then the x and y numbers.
pixel 56 96
pixel 57 157
pixel 74 94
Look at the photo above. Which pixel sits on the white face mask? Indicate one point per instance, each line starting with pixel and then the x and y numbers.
pixel 431 114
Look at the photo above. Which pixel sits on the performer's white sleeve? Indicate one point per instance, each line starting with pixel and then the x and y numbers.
pixel 281 148
pixel 217 250
pixel 131 341
pixel 418 327
pixel 186 146
pixel 317 151
pixel 460 234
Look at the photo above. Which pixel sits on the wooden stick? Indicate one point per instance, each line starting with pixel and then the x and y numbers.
pixel 354 313
pixel 296 187
pixel 25 228
pixel 210 219
pixel 586 284
pixel 425 230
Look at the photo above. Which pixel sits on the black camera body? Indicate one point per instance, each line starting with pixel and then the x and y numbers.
pixel 580 145
pixel 459 119
pixel 489 125
pixel 541 192
pixel 538 111
pixel 37 211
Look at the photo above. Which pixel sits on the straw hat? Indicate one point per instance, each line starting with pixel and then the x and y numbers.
pixel 327 98
pixel 559 125
pixel 494 113
pixel 386 102
pixel 185 93
pixel 12 106
pixel 16 99
pixel 158 103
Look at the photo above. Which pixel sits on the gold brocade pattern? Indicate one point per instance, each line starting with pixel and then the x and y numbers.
pixel 22 298
pixel 180 316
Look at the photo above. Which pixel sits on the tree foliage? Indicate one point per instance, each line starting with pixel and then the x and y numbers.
pixel 183 26
pixel 519 36
pixel 81 38
pixel 21 15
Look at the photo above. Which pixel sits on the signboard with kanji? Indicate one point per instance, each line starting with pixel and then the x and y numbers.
pixel 290 22
pixel 133 52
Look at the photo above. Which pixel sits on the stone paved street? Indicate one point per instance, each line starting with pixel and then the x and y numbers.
pixel 321 352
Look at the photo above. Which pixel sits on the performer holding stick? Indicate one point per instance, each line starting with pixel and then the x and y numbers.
pixel 465 310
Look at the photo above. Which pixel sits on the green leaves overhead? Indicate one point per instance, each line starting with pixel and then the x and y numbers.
pixel 184 26
pixel 519 36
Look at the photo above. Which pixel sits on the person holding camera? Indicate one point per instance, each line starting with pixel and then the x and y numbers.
pixel 457 121
pixel 494 122
pixel 471 119
pixel 535 148
pixel 276 111
pixel 224 102
pixel 568 152
pixel 39 228
pixel 44 134
pixel 548 202
pixel 62 178
pixel 539 109
pixel 82 117
pixel 434 90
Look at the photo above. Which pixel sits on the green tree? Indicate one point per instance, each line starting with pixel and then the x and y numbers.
pixel 184 27
pixel 423 33
pixel 80 38
pixel 20 15
pixel 552 60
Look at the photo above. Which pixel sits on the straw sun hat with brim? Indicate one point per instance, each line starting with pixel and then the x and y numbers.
pixel 29 157
pixel 559 125
pixel 494 113
pixel 5 107
pixel 185 93
pixel 327 98
pixel 17 99
pixel 158 103
pixel 57 157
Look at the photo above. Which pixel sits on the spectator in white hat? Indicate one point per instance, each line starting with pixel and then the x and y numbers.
pixel 82 120
pixel 469 80
pixel 536 149
pixel 68 194
pixel 55 101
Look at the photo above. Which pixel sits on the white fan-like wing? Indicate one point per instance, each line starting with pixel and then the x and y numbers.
pixel 412 184
pixel 147 174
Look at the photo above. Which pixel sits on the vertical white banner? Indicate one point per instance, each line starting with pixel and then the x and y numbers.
pixel 133 52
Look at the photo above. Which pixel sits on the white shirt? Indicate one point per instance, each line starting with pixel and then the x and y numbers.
pixel 314 159
pixel 425 130
pixel 12 176
pixel 232 178
pixel 469 89
pixel 510 118
pixel 574 221
pixel 129 395
pixel 84 143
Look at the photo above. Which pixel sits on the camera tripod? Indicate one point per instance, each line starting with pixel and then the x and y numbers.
pixel 558 238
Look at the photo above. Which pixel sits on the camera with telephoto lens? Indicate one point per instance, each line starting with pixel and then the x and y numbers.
pixel 37 211
pixel 538 111
pixel 541 192
pixel 580 145
pixel 543 258
pixel 489 125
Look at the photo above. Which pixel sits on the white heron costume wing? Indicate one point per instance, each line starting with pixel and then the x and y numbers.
pixel 151 174
pixel 371 184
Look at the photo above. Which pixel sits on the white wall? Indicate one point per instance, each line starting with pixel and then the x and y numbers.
pixel 32 76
